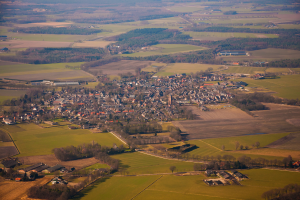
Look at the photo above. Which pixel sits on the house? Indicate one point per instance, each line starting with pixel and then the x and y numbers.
pixel 8 121
pixel 10 163
pixel 53 169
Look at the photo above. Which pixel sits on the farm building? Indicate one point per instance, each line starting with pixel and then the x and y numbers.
pixel 34 168
pixel 65 83
pixel 232 53
pixel 53 169
pixel 9 163
pixel 8 121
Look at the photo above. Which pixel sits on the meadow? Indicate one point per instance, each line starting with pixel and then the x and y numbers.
pixel 10 94
pixel 221 36
pixel 188 187
pixel 244 70
pixel 139 163
pixel 188 68
pixel 34 140
pixel 92 44
pixel 285 86
pixel 164 49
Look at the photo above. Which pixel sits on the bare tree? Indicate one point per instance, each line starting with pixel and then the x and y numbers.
pixel 257 144
pixel 223 147
pixel 237 145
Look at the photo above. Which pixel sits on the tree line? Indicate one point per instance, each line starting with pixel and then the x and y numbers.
pixel 290 191
pixel 57 30
pixel 54 192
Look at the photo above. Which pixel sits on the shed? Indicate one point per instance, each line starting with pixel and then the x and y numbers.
pixel 53 169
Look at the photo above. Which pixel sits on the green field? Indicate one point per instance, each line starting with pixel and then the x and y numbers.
pixel 16 69
pixel 10 94
pixel 285 86
pixel 33 140
pixel 244 70
pixel 97 166
pixel 188 187
pixel 138 163
pixel 188 68
pixel 229 142
pixel 220 35
pixel 164 49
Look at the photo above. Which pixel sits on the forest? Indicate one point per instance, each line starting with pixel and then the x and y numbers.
pixel 57 30
pixel 56 55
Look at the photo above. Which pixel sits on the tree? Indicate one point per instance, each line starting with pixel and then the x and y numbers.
pixel 237 145
pixel 241 147
pixel 257 144
pixel 223 147
pixel 172 168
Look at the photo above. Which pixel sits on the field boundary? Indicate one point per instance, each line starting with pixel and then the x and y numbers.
pixel 210 145
pixel 146 187
pixel 118 138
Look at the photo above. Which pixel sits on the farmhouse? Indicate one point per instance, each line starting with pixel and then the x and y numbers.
pixel 8 121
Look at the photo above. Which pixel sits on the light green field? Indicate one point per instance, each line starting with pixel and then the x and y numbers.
pixel 138 163
pixel 17 69
pixel 189 187
pixel 245 70
pixel 220 35
pixel 277 70
pixel 188 68
pixel 33 140
pixel 239 20
pixel 229 142
pixel 164 49
pixel 286 86
pixel 289 26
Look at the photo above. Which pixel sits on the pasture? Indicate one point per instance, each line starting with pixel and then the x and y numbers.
pixel 15 44
pixel 222 36
pixel 269 54
pixel 285 86
pixel 188 187
pixel 33 140
pixel 139 163
pixel 165 49
pixel 121 67
pixel 229 142
pixel 92 44
pixel 10 94
pixel 244 70
pixel 178 68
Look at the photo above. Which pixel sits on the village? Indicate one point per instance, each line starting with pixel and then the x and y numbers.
pixel 140 100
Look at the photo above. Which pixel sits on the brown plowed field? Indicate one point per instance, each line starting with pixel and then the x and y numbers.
pixel 229 122
pixel 121 67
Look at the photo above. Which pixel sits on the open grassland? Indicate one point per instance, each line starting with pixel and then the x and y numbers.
pixel 229 142
pixel 139 163
pixel 244 70
pixel 188 187
pixel 97 166
pixel 269 54
pixel 164 49
pixel 55 24
pixel 188 68
pixel 34 140
pixel 220 35
pixel 285 86
pixel 13 44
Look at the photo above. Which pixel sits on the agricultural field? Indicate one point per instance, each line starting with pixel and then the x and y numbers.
pixel 285 86
pixel 244 70
pixel 233 123
pixel 15 44
pixel 55 71
pixel 178 68
pixel 92 44
pixel 32 139
pixel 191 187
pixel 222 36
pixel 269 54
pixel 139 163
pixel 165 49
pixel 10 94
pixel 121 67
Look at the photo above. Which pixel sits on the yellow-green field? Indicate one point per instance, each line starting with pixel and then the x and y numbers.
pixel 164 49
pixel 33 140
pixel 188 68
pixel 188 187
pixel 10 94
pixel 93 44
pixel 220 36
pixel 245 70
pixel 285 86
